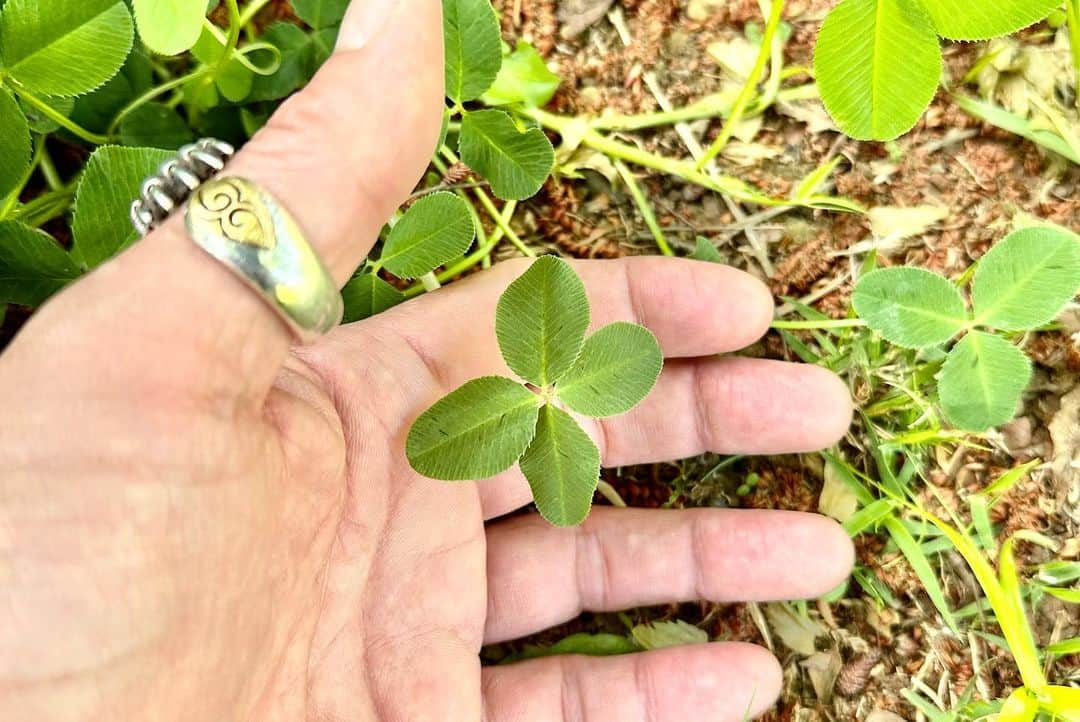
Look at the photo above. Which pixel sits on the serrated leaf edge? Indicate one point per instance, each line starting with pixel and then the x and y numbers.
pixel 127 52
pixel 952 356
pixel 538 401
pixel 887 334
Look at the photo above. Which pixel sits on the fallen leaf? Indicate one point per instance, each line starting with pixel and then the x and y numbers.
pixel 748 128
pixel 668 634
pixel 588 159
pixel 576 16
pixel 699 10
pixel 737 56
pixel 837 499
pixel 822 668
pixel 811 112
pixel 896 223
pixel 1065 433
pixel 750 154
pixel 796 631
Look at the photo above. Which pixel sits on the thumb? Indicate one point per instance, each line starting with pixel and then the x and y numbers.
pixel 340 156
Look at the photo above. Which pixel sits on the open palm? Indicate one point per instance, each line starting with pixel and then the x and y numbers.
pixel 197 524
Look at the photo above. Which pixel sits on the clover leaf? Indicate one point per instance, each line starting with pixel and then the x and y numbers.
pixel 33 266
pixel 523 78
pixel 871 99
pixel 984 19
pixel 15 143
pixel 484 426
pixel 434 230
pixel 516 162
pixel 1024 281
pixel 101 223
pixel 878 62
pixel 540 321
pixel 320 13
pixel 366 295
pixel 155 125
pixel 704 250
pixel 562 466
pixel 42 40
pixel 910 307
pixel 169 27
pixel 472 47
pixel 617 367
pixel 981 381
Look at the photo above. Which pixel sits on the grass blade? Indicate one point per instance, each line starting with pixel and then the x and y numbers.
pixel 998 116
pixel 923 569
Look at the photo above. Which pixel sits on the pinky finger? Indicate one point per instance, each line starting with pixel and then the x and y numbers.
pixel 724 682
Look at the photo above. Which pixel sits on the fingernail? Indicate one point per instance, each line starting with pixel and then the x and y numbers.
pixel 363 22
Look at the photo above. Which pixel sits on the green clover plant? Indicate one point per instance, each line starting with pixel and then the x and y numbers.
pixel 516 160
pixel 1022 283
pixel 878 62
pixel 77 71
pixel 486 425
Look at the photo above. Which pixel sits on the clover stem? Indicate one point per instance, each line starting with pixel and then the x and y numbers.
pixel 489 205
pixel 475 258
pixel 57 117
pixel 12 199
pixel 609 492
pixel 749 88
pixel 45 207
pixel 252 10
pixel 154 93
pixel 430 282
pixel 49 172
pixel 644 208
pixel 816 325
pixel 707 107
pixel 725 185
pixel 710 106
pixel 233 36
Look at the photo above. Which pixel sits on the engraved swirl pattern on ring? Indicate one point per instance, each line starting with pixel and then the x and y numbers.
pixel 234 211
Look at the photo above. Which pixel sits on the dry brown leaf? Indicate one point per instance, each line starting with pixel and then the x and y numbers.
pixel 811 112
pixel 796 631
pixel 1065 432
pixel 737 56
pixel 576 16
pixel 822 668
pixel 699 10
pixel 896 223
pixel 837 499
pixel 750 154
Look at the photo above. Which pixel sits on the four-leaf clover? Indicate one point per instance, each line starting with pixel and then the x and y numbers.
pixel 486 425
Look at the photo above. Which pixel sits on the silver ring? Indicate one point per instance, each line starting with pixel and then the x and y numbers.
pixel 244 227
pixel 176 179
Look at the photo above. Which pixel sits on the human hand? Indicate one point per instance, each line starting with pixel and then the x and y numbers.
pixel 198 524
